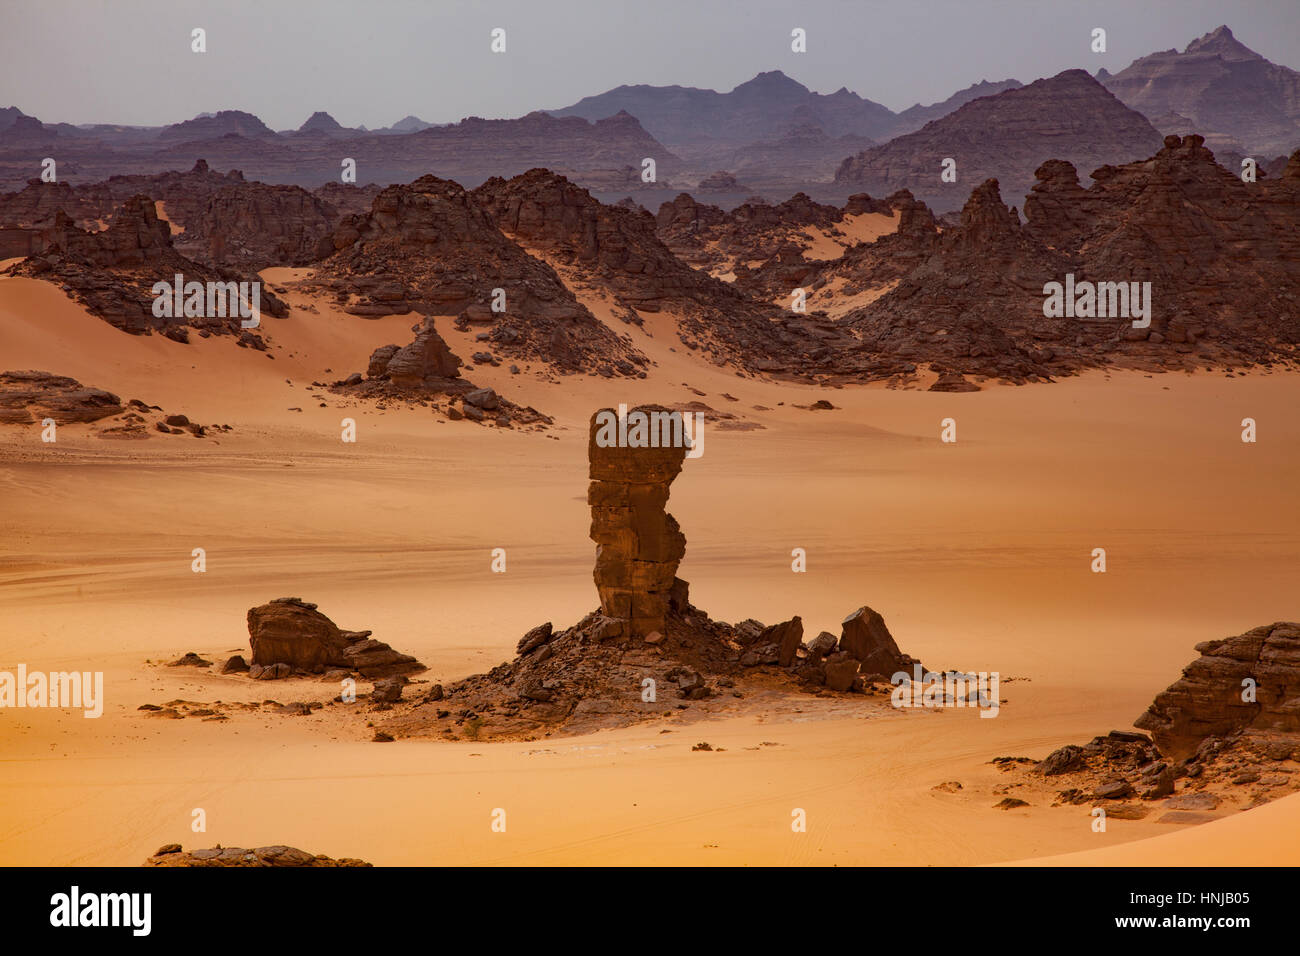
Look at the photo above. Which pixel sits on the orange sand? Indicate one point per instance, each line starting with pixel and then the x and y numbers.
pixel 977 554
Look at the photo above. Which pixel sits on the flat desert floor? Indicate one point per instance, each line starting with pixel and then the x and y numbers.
pixel 977 553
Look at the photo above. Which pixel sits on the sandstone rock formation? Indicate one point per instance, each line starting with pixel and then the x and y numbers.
pixel 1221 256
pixel 412 366
pixel 866 639
pixel 647 643
pixel 285 856
pixel 31 396
pixel 638 544
pixel 1214 696
pixel 111 272
pixel 706 237
pixel 431 248
pixel 292 632
pixel 617 250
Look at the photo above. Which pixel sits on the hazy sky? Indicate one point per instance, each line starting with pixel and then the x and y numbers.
pixel 373 62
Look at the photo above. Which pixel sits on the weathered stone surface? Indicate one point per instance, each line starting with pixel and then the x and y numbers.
pixel 866 638
pixel 787 637
pixel 32 396
pixel 292 632
pixel 285 856
pixel 428 357
pixel 534 638
pixel 638 544
pixel 821 645
pixel 841 671
pixel 235 665
pixel 1207 700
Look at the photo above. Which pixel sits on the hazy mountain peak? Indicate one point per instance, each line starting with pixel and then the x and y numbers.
pixel 1222 43
pixel 773 82
pixel 320 122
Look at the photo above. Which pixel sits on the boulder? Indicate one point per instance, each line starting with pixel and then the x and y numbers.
pixel 865 637
pixel 822 644
pixel 534 639
pixel 841 671
pixel 787 636
pixel 292 632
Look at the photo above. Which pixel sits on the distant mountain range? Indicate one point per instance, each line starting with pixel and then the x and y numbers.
pixel 1219 88
pixel 771 132
pixel 1070 117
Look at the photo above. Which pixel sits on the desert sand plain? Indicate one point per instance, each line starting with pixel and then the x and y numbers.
pixel 977 553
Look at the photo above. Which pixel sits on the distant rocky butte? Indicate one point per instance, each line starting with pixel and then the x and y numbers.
pixel 763 108
pixel 1006 136
pixel 1219 88
pixel 321 122
pixel 220 124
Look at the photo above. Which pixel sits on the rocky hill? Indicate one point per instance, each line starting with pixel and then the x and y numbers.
pixel 1222 258
pixel 430 248
pixel 763 108
pixel 617 250
pixel 1006 137
pixel 112 272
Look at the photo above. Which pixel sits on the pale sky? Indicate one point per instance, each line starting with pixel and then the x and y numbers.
pixel 373 62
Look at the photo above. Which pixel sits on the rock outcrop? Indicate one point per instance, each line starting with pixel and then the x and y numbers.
pixel 282 856
pixel 866 639
pixel 32 396
pixel 291 632
pixel 1222 258
pixel 414 365
pixel 1247 682
pixel 617 250
pixel 112 272
pixel 431 248
pixel 638 544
